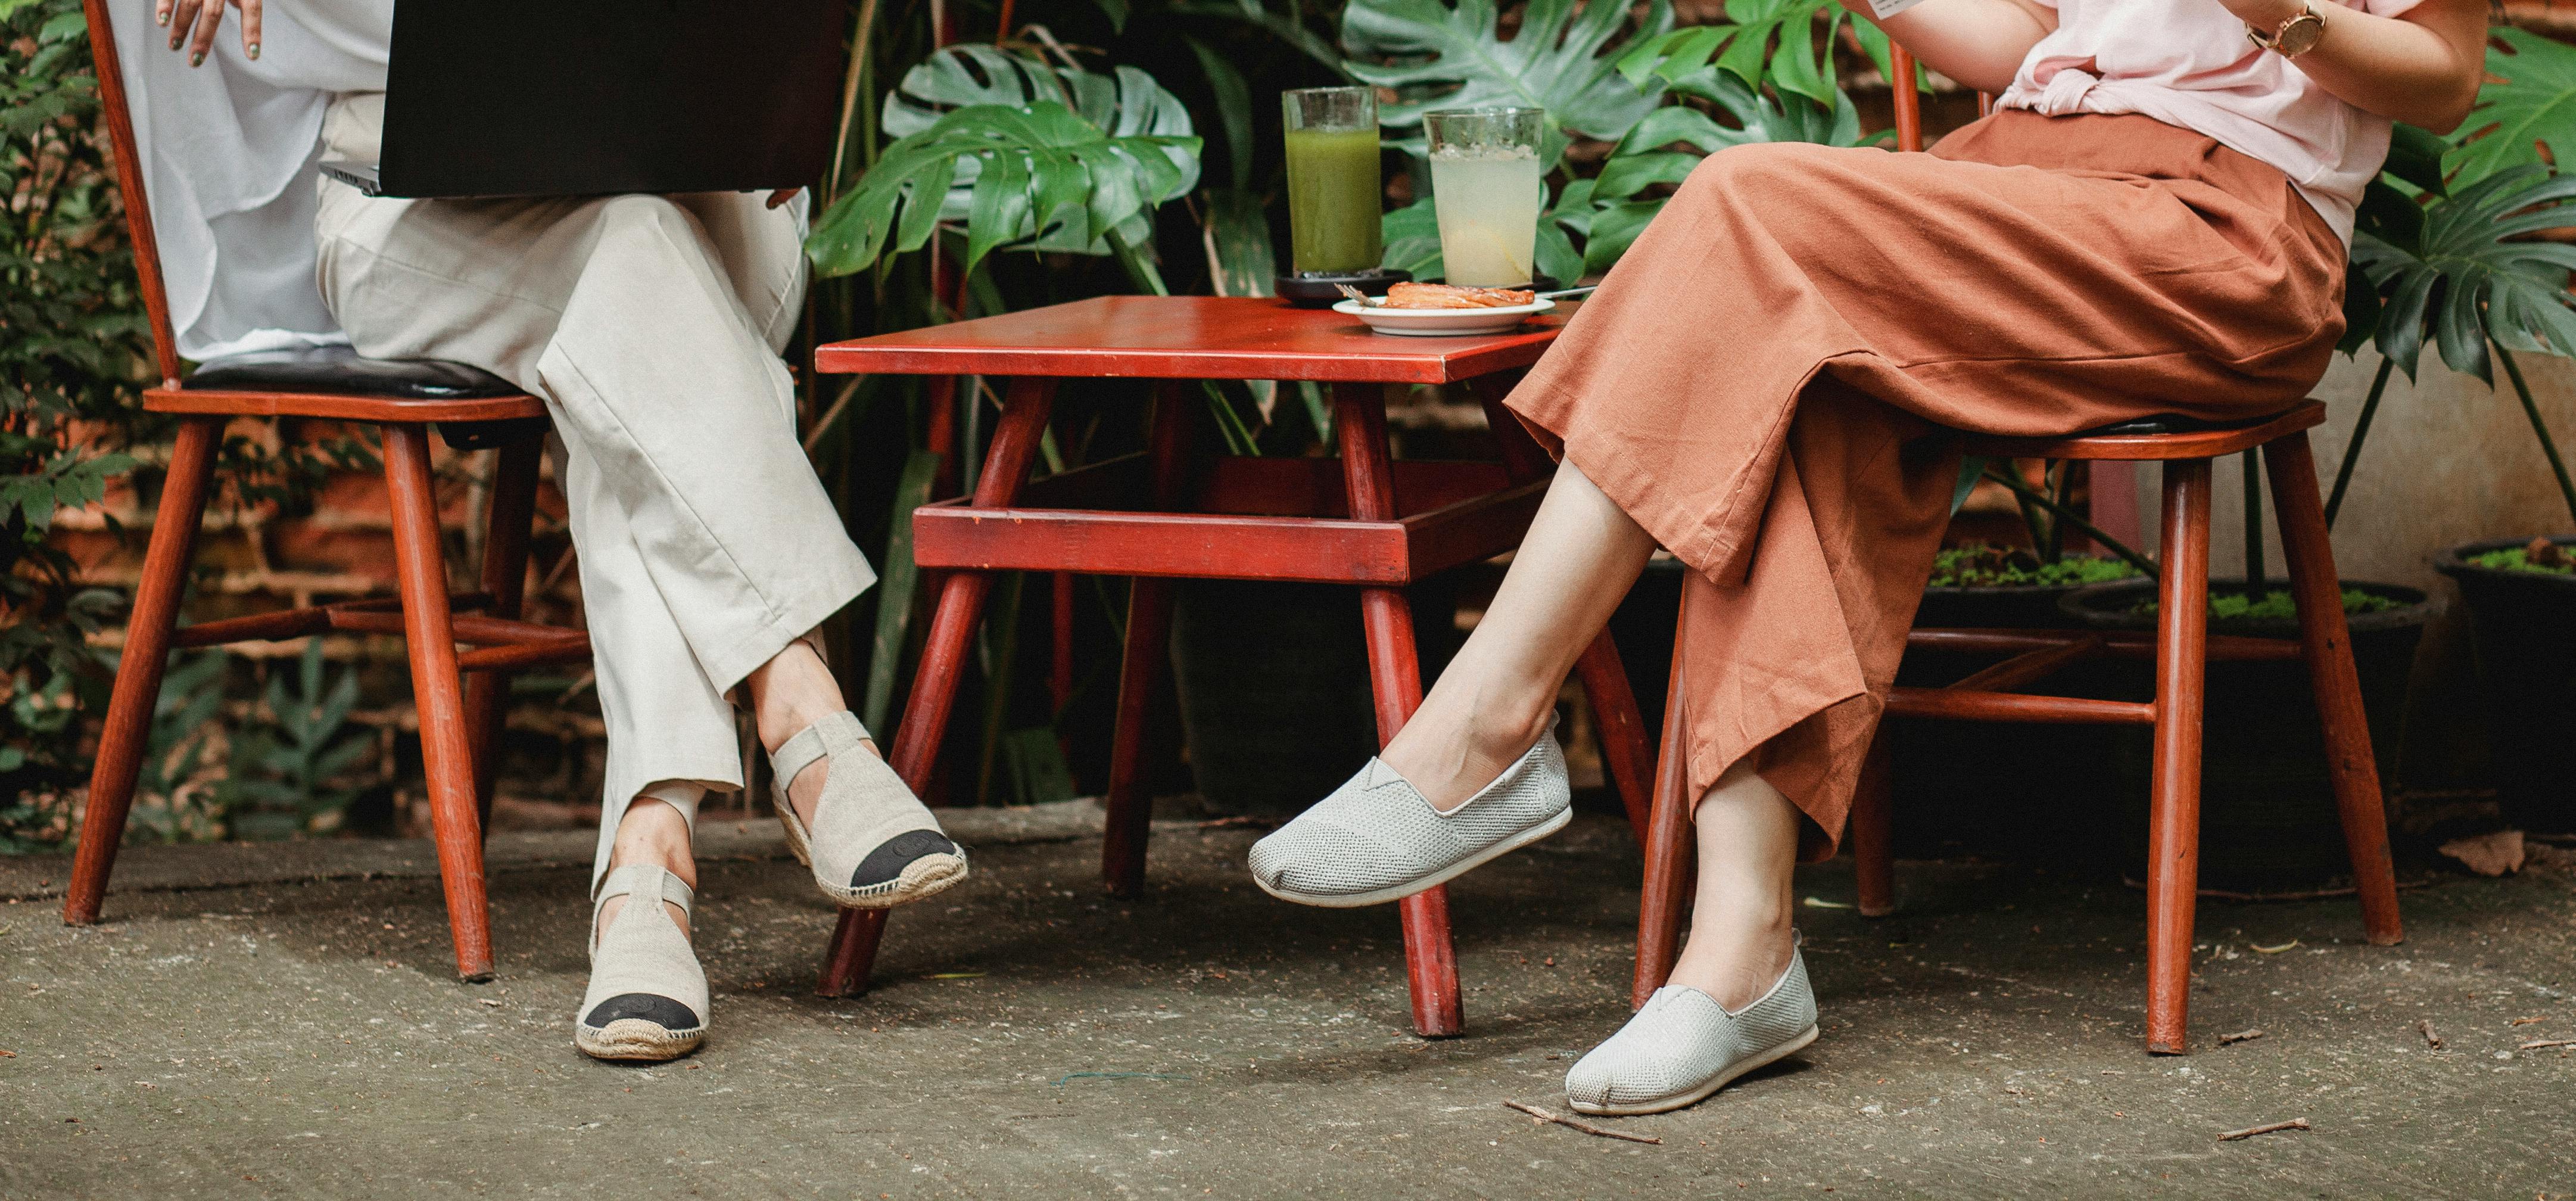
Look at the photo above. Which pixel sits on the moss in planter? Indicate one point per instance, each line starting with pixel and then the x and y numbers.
pixel 2276 605
pixel 2542 556
pixel 1978 565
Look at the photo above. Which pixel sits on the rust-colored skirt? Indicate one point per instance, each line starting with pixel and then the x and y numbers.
pixel 1771 379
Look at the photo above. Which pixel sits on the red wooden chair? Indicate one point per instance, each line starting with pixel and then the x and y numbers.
pixel 2181 650
pixel 459 722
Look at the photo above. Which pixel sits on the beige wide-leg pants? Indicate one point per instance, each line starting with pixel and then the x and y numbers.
pixel 651 326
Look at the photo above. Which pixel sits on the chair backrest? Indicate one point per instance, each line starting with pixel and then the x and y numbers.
pixel 129 181
pixel 1909 102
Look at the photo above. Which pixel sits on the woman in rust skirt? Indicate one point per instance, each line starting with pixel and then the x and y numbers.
pixel 1771 383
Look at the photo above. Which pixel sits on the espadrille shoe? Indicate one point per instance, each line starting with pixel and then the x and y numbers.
pixel 1377 837
pixel 648 997
pixel 1684 1046
pixel 873 845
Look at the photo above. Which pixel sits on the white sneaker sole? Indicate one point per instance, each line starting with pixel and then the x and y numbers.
pixel 1380 896
pixel 1702 1093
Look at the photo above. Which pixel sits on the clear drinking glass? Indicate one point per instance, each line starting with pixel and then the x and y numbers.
pixel 1485 188
pixel 1333 186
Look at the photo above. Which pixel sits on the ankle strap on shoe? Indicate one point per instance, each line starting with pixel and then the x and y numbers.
pixel 838 732
pixel 636 879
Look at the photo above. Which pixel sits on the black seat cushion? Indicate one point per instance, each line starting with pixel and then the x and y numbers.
pixel 338 369
pixel 2170 423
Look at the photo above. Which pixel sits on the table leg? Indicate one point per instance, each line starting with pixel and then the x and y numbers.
pixel 1143 669
pixel 1395 677
pixel 945 653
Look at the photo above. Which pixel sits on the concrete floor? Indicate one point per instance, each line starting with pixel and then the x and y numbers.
pixel 300 1035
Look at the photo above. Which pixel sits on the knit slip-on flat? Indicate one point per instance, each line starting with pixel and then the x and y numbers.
pixel 648 997
pixel 1377 838
pixel 1683 1046
pixel 873 845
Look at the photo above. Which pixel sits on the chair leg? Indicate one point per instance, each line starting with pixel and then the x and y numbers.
pixel 1395 679
pixel 505 571
pixel 2173 828
pixel 138 672
pixel 1622 731
pixel 1668 846
pixel 1873 835
pixel 1144 666
pixel 2327 644
pixel 945 652
pixel 446 749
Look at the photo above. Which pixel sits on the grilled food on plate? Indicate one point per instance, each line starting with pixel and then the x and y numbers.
pixel 1445 296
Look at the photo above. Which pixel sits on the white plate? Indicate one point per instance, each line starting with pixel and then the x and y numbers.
pixel 1443 323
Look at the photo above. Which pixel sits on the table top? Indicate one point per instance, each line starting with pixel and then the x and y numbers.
pixel 1186 337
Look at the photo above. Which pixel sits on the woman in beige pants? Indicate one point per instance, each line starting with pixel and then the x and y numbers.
pixel 651 326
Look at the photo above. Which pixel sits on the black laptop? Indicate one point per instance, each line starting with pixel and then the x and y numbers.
pixel 591 97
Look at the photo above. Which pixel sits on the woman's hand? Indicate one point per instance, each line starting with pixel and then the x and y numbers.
pixel 194 23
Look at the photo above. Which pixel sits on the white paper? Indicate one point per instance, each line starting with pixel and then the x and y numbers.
pixel 1889 8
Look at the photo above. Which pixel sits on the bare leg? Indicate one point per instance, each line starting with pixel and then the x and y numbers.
pixel 652 832
pixel 1499 694
pixel 790 692
pixel 1748 846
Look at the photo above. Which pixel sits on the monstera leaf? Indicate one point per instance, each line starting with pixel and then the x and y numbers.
pixel 1021 153
pixel 1437 55
pixel 2529 102
pixel 2461 272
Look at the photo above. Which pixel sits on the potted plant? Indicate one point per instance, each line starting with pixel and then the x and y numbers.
pixel 2452 248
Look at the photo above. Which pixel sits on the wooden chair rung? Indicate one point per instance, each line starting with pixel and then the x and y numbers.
pixel 1958 705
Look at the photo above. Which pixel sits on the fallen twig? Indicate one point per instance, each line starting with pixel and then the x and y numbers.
pixel 2538 1044
pixel 2431 1039
pixel 2262 950
pixel 2265 1128
pixel 2241 1036
pixel 1578 1124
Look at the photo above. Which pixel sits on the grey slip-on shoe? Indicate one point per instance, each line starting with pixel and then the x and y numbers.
pixel 648 998
pixel 1683 1046
pixel 1377 838
pixel 873 845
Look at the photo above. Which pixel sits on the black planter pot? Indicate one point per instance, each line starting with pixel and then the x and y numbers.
pixel 2524 626
pixel 1984 788
pixel 1274 690
pixel 2267 811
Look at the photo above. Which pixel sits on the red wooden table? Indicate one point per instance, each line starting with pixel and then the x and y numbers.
pixel 1363 519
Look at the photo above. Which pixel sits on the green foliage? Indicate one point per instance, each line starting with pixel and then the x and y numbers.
pixel 2461 273
pixel 286 776
pixel 2519 558
pixel 2526 112
pixel 1437 55
pixel 1978 565
pixel 2276 605
pixel 73 348
pixel 1019 151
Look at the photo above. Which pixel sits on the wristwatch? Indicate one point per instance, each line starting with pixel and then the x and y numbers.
pixel 2296 36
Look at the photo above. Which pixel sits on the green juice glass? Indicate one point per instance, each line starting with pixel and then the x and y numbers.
pixel 1333 184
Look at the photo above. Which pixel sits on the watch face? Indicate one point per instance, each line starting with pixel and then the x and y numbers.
pixel 2300 36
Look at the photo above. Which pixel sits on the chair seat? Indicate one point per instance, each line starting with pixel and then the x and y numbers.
pixel 334 382
pixel 2149 439
pixel 338 369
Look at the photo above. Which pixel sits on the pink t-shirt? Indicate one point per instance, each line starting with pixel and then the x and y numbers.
pixel 2188 63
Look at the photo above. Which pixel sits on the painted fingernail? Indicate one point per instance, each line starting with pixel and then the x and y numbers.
pixel 254 50
pixel 163 17
pixel 198 59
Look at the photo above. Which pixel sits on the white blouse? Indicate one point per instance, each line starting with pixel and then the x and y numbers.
pixel 2188 63
pixel 229 153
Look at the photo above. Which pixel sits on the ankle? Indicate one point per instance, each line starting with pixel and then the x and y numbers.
pixel 790 693
pixel 654 832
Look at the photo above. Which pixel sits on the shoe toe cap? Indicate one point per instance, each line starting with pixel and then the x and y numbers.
pixel 885 864
pixel 641 1006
